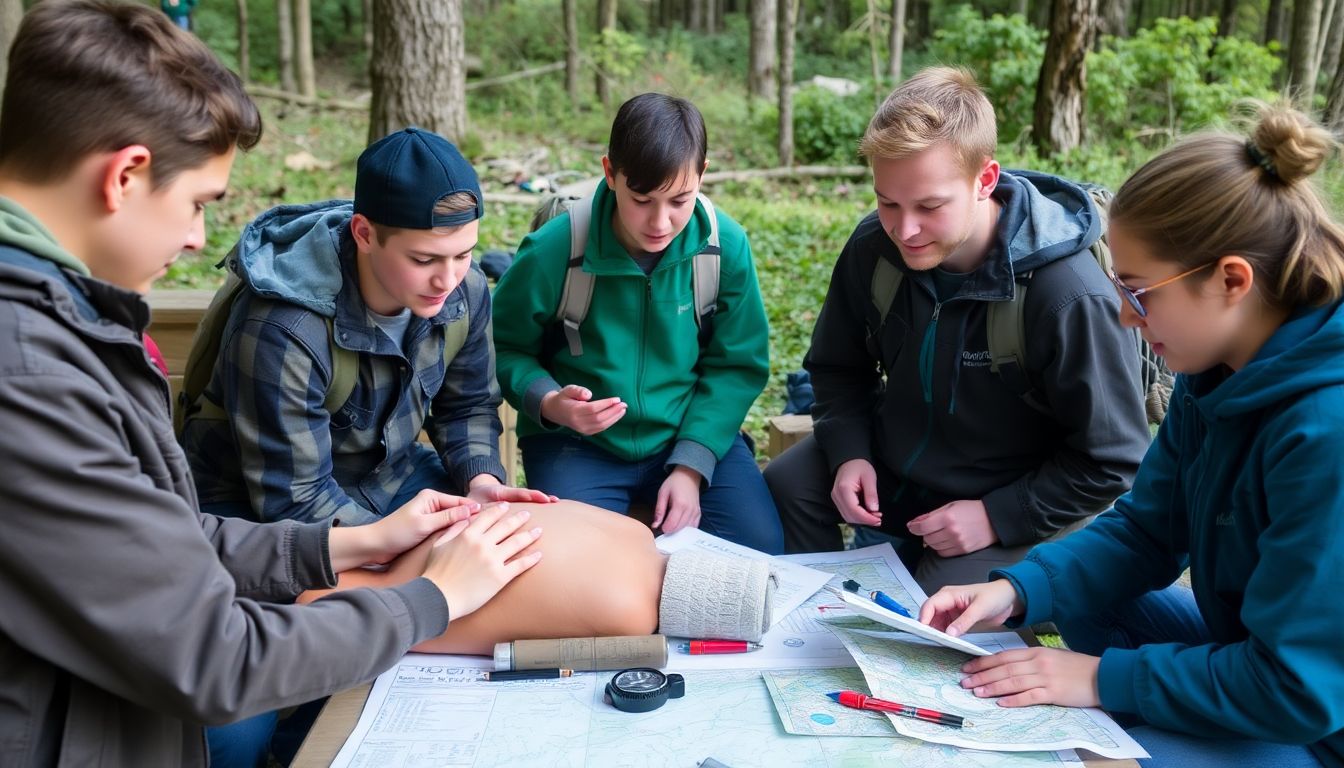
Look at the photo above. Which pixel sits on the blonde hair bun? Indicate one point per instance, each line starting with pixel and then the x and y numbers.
pixel 1295 144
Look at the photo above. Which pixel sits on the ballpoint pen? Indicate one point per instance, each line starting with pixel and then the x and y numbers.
pixel 700 647
pixel 856 700
pixel 528 674
pixel 879 597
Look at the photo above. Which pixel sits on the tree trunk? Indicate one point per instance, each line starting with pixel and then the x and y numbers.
pixel 761 71
pixel 874 55
pixel 1334 42
pixel 1329 10
pixel 11 14
pixel 1058 124
pixel 1302 54
pixel 284 25
pixel 1115 18
pixel 1334 107
pixel 606 19
pixel 1275 18
pixel 244 49
pixel 303 49
pixel 418 70
pixel 571 13
pixel 695 16
pixel 368 28
pixel 788 27
pixel 1227 18
pixel 1020 8
pixel 896 42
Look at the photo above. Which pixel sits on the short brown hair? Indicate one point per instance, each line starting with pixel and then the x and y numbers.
pixel 457 202
pixel 1219 193
pixel 89 76
pixel 938 105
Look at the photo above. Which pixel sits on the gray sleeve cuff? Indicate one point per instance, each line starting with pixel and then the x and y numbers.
pixel 692 455
pixel 538 389
pixel 478 465
pixel 311 555
pixel 425 607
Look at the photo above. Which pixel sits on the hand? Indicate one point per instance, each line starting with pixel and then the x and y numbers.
pixel 958 528
pixel 855 493
pixel 487 488
pixel 476 558
pixel 956 609
pixel 1035 676
pixel 678 501
pixel 430 511
pixel 574 407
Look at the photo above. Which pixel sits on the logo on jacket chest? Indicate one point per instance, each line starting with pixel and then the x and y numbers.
pixel 970 359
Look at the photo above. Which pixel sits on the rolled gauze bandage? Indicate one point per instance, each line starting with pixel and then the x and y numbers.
pixel 708 595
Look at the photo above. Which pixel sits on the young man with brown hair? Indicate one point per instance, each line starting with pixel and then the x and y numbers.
pixel 380 286
pixel 130 618
pixel 916 431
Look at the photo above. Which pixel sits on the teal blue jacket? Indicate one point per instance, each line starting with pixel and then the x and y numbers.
pixel 639 338
pixel 1244 484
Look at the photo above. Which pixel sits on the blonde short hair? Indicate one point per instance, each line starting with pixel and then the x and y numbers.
pixel 938 105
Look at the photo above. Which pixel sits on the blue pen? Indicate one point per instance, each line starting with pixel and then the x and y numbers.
pixel 884 600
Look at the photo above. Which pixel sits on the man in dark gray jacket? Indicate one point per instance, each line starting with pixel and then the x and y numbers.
pixel 968 459
pixel 129 619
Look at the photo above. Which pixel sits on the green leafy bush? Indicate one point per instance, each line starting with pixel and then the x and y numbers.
pixel 1004 52
pixel 827 127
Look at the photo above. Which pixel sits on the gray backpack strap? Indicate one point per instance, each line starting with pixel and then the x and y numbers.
pixel 886 281
pixel 344 369
pixel 1006 329
pixel 577 293
pixel 705 269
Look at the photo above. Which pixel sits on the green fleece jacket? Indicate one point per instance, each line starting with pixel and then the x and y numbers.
pixel 639 338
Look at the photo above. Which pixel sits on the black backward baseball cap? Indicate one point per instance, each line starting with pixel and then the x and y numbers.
pixel 401 177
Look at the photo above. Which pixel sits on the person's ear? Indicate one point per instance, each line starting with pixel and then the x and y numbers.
pixel 126 173
pixel 987 179
pixel 607 172
pixel 361 229
pixel 1233 277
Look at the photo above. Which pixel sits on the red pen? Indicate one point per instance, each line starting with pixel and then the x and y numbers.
pixel 856 700
pixel 699 647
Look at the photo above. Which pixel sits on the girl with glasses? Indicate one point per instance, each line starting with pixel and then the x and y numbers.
pixel 1228 262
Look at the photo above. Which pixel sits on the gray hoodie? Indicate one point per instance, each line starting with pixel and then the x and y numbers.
pixel 929 413
pixel 129 619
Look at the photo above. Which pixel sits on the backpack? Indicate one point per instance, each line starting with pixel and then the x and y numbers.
pixel 1005 326
pixel 205 349
pixel 577 293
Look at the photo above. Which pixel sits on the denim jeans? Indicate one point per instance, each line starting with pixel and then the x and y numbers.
pixel 1171 616
pixel 244 744
pixel 736 506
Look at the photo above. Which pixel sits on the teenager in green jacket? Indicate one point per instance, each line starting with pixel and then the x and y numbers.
pixel 645 407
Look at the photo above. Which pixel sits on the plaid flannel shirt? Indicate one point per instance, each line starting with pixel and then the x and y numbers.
pixel 282 452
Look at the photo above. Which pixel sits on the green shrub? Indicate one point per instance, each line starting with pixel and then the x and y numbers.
pixel 827 127
pixel 1004 52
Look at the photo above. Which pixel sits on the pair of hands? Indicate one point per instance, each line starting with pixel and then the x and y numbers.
pixel 572 406
pixel 1022 677
pixel 957 528
pixel 476 553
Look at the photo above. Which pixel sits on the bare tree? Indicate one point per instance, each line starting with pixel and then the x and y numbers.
pixel 11 14
pixel 788 28
pixel 1302 52
pixel 244 49
pixel 1114 17
pixel 896 41
pixel 1275 21
pixel 418 70
pixel 761 73
pixel 1329 10
pixel 284 25
pixel 1058 123
pixel 1334 106
pixel 606 19
pixel 303 49
pixel 571 13
pixel 1227 18
pixel 1334 41
pixel 874 56
pixel 1020 8
pixel 367 6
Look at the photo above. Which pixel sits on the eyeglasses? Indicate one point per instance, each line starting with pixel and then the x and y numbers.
pixel 1131 295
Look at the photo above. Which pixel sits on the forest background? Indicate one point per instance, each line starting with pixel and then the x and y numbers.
pixel 1087 89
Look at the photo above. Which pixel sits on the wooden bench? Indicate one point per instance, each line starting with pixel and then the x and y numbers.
pixel 177 313
pixel 786 430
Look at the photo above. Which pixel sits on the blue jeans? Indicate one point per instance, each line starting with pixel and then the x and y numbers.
pixel 1171 616
pixel 244 744
pixel 736 506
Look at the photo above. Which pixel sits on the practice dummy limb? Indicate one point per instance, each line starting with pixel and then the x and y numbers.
pixel 601 576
